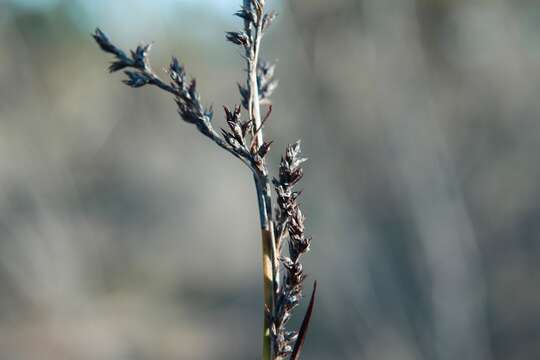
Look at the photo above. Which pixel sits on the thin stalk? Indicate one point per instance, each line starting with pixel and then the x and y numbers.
pixel 269 260
pixel 264 193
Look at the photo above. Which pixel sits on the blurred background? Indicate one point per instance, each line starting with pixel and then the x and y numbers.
pixel 124 234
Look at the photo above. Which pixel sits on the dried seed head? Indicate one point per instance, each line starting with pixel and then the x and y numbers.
pixel 244 94
pixel 238 38
pixel 291 220
pixel 246 15
pixel 233 120
pixel 121 61
pixel 266 82
pixel 268 20
pixel 104 43
pixel 139 56
pixel 177 73
pixel 264 149
pixel 136 79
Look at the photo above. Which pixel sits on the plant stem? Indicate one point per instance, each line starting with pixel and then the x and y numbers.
pixel 262 184
pixel 269 258
pixel 247 145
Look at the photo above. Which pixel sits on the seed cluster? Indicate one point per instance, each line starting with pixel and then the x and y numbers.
pixel 290 220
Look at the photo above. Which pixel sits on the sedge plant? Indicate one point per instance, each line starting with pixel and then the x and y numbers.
pixel 281 221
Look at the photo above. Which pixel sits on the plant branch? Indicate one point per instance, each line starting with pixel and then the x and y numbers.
pixel 186 95
pixel 245 140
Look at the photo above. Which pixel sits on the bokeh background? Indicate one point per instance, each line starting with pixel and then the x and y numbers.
pixel 124 234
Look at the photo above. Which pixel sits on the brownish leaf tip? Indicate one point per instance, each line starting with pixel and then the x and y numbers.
pixel 304 328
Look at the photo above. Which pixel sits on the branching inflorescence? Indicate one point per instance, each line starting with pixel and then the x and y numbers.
pixel 243 138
